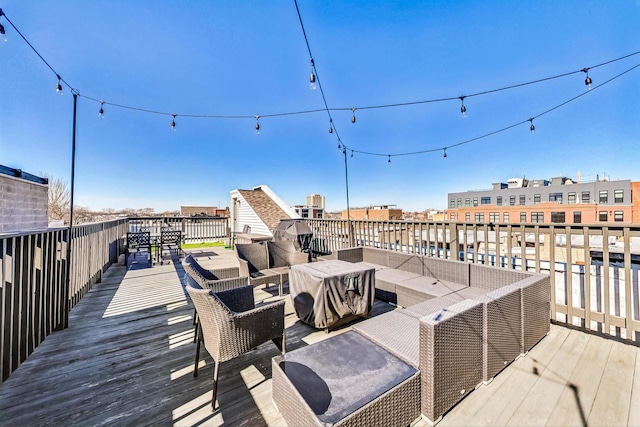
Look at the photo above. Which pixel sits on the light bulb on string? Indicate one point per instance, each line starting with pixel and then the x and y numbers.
pixel 330 125
pixel 59 86
pixel 353 118
pixel 389 161
pixel 532 128
pixel 445 152
pixel 101 111
pixel 463 109
pixel 257 125
pixel 2 33
pixel 339 146
pixel 312 77
pixel 587 80
pixel 351 153
pixel 173 122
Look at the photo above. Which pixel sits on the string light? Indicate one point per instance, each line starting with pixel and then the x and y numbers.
pixel 101 111
pixel 463 109
pixel 339 145
pixel 532 128
pixel 389 161
pixel 257 125
pixel 351 153
pixel 59 86
pixel 330 125
pixel 445 152
pixel 312 77
pixel 353 118
pixel 173 122
pixel 587 80
pixel 2 33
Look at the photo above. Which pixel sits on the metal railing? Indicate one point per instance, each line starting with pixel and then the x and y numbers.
pixel 34 297
pixel 593 269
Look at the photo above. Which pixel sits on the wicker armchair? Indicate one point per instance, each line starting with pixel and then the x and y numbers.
pixel 231 325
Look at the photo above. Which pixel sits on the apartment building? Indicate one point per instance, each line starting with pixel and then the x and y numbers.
pixel 315 200
pixel 381 213
pixel 559 200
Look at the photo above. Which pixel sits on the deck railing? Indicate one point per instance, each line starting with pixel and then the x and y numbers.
pixel 196 229
pixel 593 269
pixel 34 297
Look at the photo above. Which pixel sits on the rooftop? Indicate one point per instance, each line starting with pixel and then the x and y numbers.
pixel 127 359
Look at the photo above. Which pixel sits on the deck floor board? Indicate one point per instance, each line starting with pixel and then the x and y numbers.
pixel 127 359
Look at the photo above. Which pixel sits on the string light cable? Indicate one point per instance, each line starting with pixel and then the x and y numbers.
pixel 327 109
pixel 486 135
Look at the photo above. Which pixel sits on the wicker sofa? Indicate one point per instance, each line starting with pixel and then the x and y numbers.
pixel 462 323
pixel 268 262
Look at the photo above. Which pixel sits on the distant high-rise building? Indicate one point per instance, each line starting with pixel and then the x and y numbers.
pixel 315 200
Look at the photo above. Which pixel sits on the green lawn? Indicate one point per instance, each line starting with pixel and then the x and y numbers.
pixel 202 245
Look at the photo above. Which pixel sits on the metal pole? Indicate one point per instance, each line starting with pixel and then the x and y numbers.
pixel 346 179
pixel 66 293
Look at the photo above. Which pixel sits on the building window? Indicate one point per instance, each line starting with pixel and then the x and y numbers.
pixel 555 197
pixel 602 216
pixel 512 200
pixel 557 217
pixel 523 200
pixel 618 216
pixel 571 197
pixel 467 217
pixel 494 217
pixel 505 217
pixel 523 217
pixel 537 216
pixel 577 217
pixel 536 198
pixel 452 216
pixel 485 200
pixel 452 203
pixel 459 203
pixel 586 197
pixel 618 196
pixel 475 201
pixel 603 196
pixel 479 217
pixel 499 200
pixel 467 202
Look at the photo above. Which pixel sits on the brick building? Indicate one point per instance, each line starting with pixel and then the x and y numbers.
pixel 24 201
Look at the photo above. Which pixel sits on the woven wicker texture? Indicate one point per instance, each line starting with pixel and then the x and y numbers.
pixel 536 308
pixel 433 305
pixel 227 330
pixel 376 256
pixel 397 331
pixel 255 254
pixel 492 278
pixel 448 270
pixel 502 329
pixel 395 406
pixel 422 288
pixel 350 254
pixel 386 279
pixel 215 280
pixel 406 262
pixel 450 356
pixel 284 254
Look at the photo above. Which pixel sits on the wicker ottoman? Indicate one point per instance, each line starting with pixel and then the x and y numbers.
pixel 345 380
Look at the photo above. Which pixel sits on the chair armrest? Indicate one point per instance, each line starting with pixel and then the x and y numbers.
pixel 260 324
pixel 226 273
pixel 218 286
pixel 244 267
pixel 238 299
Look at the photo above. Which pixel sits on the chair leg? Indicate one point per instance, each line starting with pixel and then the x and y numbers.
pixel 215 384
pixel 198 340
pixel 195 326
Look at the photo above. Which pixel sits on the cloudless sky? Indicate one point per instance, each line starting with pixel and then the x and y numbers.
pixel 249 58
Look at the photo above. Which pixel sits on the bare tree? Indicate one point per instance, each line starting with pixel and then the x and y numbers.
pixel 59 199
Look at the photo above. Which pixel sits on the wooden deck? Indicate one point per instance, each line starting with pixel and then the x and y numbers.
pixel 127 359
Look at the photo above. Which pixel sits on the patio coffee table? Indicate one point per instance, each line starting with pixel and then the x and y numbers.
pixel 348 380
pixel 327 294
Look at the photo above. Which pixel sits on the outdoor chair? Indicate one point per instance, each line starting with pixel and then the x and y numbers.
pixel 170 239
pixel 220 279
pixel 137 240
pixel 231 325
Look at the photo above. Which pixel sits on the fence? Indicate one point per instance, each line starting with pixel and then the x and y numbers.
pixel 34 297
pixel 593 269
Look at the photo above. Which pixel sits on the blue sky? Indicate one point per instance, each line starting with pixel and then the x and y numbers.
pixel 249 58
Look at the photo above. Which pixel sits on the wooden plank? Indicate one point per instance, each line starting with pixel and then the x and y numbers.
pixel 612 401
pixel 634 403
